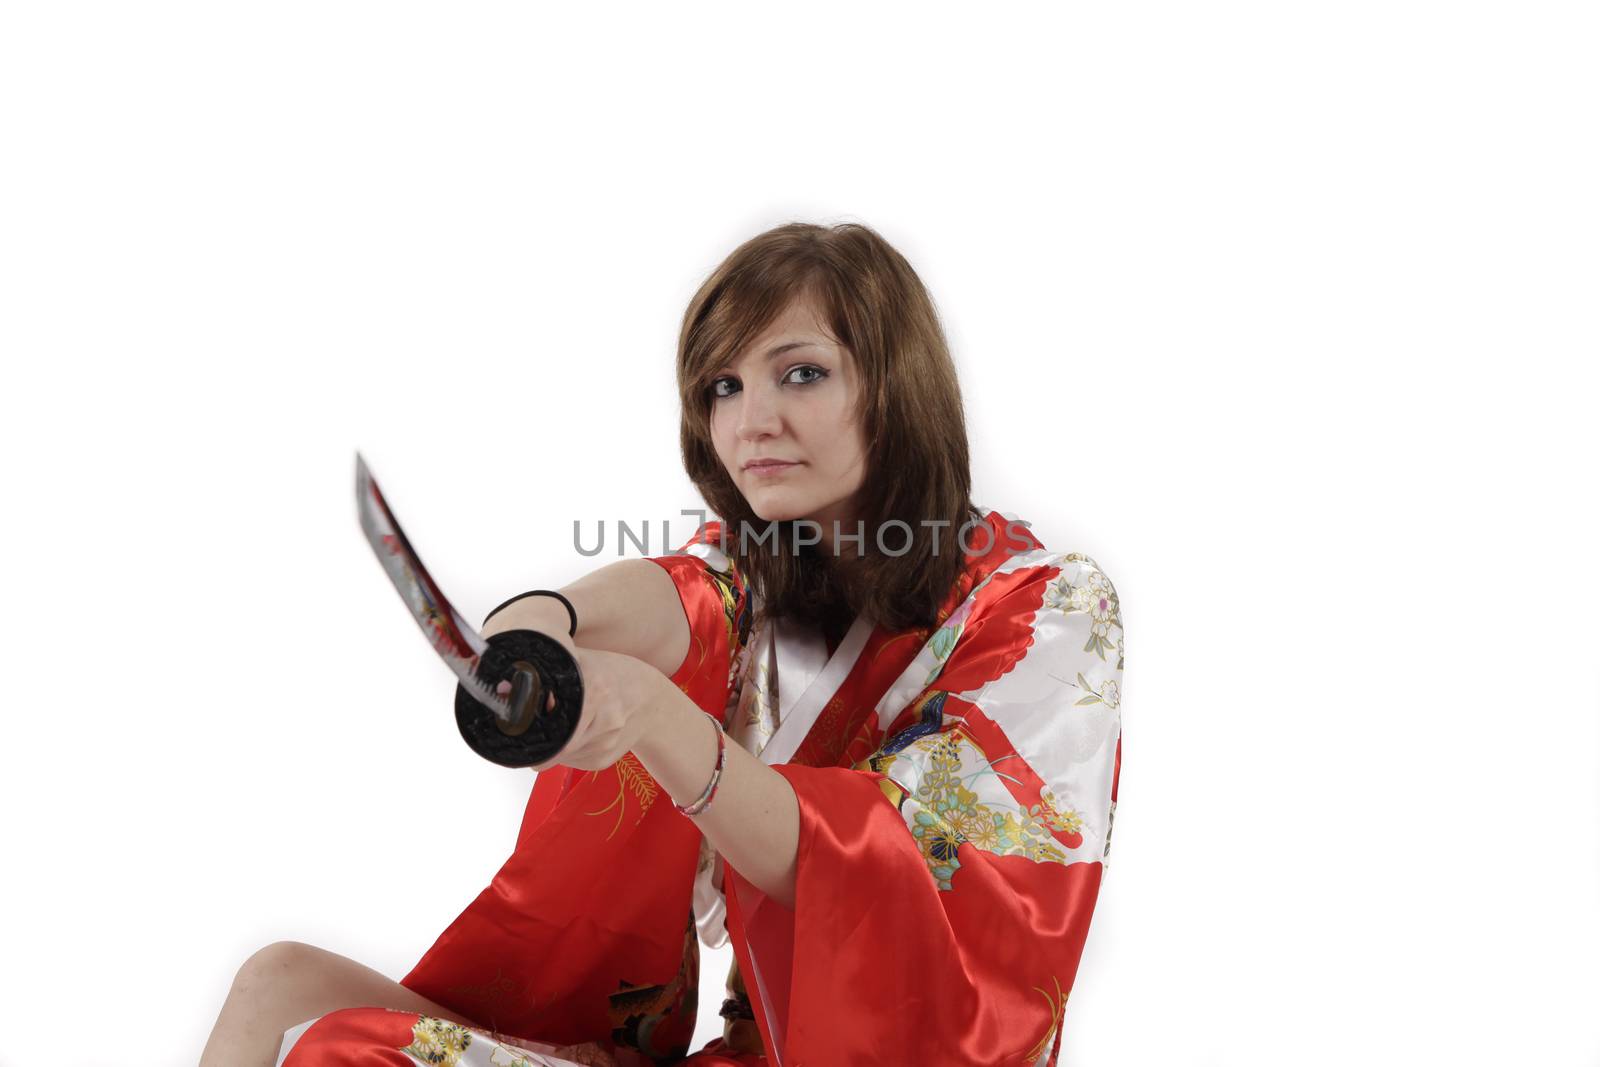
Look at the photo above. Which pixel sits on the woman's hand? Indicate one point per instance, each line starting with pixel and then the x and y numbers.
pixel 620 692
pixel 621 696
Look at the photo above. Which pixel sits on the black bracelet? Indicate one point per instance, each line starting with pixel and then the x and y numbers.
pixel 541 592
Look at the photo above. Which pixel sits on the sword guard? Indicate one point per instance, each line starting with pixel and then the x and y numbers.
pixel 535 664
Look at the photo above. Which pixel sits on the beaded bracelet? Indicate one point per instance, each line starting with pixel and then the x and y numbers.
pixel 716 776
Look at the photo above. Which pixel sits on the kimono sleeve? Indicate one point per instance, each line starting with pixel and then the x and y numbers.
pixel 718 607
pixel 945 884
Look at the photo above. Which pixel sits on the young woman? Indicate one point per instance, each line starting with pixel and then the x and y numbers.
pixel 863 729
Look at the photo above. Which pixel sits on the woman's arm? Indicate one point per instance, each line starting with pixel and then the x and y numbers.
pixel 753 821
pixel 631 607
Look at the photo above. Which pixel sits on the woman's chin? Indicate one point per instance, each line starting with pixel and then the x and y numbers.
pixel 777 514
pixel 772 506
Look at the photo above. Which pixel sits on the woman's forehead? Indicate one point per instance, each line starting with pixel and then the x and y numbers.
pixel 798 328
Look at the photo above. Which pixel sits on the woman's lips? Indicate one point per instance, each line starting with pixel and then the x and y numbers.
pixel 770 468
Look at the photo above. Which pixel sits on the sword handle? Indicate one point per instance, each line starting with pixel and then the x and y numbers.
pixel 535 664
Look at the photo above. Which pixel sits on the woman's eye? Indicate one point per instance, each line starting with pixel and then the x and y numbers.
pixel 718 393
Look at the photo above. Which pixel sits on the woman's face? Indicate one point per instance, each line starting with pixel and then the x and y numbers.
pixel 790 396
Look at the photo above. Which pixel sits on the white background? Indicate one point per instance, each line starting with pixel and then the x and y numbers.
pixel 1284 313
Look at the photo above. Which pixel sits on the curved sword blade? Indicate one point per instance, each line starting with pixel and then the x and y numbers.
pixel 456 642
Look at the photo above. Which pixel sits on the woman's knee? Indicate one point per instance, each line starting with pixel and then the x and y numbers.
pixel 276 962
pixel 281 954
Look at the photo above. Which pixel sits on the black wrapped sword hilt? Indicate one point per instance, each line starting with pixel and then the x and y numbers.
pixel 536 665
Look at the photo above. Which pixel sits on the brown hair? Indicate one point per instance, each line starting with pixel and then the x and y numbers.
pixel 910 406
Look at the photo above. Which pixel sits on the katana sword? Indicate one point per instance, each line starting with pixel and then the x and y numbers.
pixel 514 730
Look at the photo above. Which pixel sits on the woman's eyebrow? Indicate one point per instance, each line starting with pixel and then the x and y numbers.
pixel 779 349
pixel 787 345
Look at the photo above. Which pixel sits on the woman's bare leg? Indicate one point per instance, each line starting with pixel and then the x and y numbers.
pixel 286 984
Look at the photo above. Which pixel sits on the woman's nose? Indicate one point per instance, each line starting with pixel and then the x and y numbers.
pixel 758 413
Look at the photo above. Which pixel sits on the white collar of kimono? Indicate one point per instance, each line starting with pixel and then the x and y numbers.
pixel 804 677
pixel 790 666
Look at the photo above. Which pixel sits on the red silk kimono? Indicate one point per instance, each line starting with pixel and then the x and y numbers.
pixel 956 788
